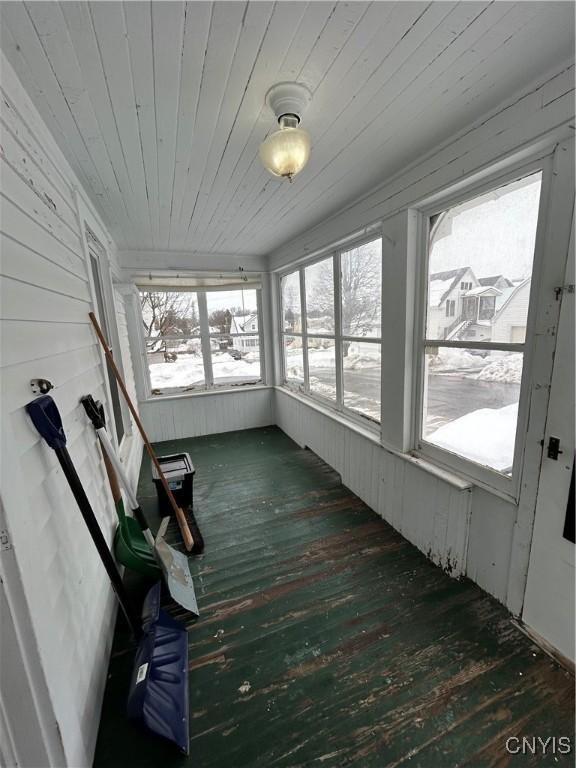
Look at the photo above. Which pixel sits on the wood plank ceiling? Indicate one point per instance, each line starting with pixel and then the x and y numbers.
pixel 159 107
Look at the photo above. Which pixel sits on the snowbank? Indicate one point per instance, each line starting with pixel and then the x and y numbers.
pixel 507 369
pixel 454 361
pixel 495 366
pixel 485 436
pixel 355 362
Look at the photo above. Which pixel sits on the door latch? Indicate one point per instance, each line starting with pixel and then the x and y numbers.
pixel 554 448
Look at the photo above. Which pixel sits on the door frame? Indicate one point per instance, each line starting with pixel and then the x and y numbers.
pixel 548 610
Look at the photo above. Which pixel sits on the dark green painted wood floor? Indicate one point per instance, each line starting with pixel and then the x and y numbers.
pixel 327 639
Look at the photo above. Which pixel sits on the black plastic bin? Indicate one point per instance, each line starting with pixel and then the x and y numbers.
pixel 179 472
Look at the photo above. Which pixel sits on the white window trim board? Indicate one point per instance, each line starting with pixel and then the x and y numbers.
pixel 87 218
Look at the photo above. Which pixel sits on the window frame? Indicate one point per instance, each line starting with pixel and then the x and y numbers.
pixel 209 387
pixel 491 479
pixel 338 337
pixel 90 227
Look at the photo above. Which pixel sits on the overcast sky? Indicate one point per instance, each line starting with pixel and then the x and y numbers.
pixel 495 237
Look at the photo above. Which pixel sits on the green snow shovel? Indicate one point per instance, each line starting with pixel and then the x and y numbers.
pixel 130 546
pixel 174 564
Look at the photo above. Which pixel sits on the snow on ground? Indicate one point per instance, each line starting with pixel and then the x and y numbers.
pixel 495 366
pixel 188 370
pixel 454 361
pixel 358 362
pixel 506 369
pixel 485 436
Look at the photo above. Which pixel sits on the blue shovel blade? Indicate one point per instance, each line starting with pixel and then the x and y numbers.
pixel 158 696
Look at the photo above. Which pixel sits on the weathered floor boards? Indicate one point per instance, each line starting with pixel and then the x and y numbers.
pixel 327 639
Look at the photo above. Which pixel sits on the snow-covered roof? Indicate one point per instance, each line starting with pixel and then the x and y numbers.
pixel 441 283
pixel 493 279
pixel 243 323
pixel 437 289
pixel 487 290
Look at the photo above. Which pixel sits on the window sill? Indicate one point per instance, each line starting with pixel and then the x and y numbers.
pixel 204 393
pixel 456 481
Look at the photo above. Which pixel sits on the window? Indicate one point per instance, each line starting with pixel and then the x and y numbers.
pixel 292 337
pixel 234 340
pixel 471 389
pixel 199 339
pixel 320 329
pixel 450 308
pixel 361 309
pixel 331 329
pixel 96 252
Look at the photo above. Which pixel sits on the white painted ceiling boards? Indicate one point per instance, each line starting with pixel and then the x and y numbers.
pixel 159 107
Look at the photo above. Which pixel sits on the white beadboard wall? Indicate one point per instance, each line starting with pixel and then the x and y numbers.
pixel 45 332
pixel 207 414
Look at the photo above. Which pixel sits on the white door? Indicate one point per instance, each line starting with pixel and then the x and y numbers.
pixel 549 598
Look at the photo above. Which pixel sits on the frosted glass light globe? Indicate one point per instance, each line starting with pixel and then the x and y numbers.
pixel 286 152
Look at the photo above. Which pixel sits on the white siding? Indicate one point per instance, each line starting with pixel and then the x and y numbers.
pixel 45 330
pixel 512 315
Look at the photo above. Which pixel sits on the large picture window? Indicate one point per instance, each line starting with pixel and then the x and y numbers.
pixel 480 264
pixel 331 329
pixel 201 339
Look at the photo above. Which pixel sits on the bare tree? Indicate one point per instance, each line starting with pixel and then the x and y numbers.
pixel 167 314
pixel 291 306
pixel 361 289
pixel 221 319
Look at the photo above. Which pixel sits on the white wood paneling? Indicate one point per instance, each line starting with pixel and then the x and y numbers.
pixel 159 107
pixel 429 512
pixel 172 418
pixel 65 604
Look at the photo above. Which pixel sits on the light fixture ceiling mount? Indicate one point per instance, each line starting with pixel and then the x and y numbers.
pixel 286 151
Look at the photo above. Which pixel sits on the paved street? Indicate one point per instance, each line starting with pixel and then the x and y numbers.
pixel 449 397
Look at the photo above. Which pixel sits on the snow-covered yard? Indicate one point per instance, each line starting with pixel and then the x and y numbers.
pixel 187 371
pixel 485 436
pixel 472 404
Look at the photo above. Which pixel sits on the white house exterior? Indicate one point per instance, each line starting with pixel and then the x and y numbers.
pixel 245 324
pixel 509 324
pixel 462 307
pixel 445 293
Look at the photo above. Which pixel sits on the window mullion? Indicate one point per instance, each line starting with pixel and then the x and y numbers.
pixel 205 339
pixel 304 331
pixel 338 332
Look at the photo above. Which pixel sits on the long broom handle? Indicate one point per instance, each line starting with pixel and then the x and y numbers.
pixel 184 529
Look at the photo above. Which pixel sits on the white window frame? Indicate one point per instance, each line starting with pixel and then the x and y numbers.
pixel 481 475
pixel 88 221
pixel 204 337
pixel 336 405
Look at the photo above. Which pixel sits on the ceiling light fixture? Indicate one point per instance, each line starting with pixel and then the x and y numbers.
pixel 285 152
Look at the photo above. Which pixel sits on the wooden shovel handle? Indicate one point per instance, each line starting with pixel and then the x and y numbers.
pixel 184 529
pixel 112 478
pixel 187 537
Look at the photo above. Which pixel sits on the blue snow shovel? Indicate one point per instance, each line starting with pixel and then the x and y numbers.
pixel 158 696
